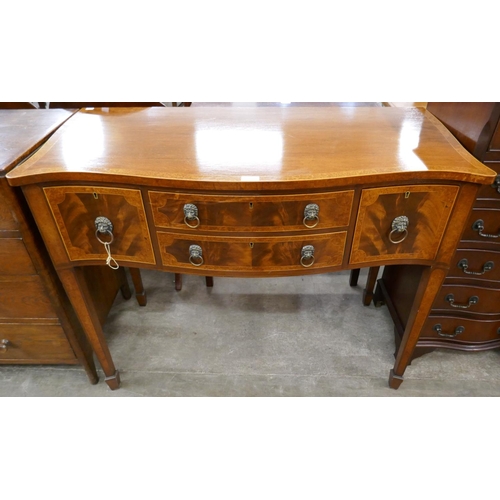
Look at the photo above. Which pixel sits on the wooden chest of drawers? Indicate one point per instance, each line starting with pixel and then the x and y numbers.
pixel 37 323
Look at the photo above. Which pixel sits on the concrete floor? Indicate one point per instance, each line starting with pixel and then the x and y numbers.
pixel 300 336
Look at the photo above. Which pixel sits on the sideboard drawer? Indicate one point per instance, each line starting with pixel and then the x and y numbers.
pixel 450 328
pixel 34 343
pixel 252 213
pixel 425 209
pixel 266 254
pixel 14 258
pixel 75 210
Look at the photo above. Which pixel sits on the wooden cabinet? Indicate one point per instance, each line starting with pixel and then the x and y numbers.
pixel 465 314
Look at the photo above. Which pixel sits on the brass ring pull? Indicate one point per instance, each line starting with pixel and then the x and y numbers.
pixel 105 226
pixel 458 330
pixel 307 253
pixel 399 225
pixel 97 232
pixel 191 213
pixel 479 227
pixel 451 299
pixel 311 213
pixel 4 344
pixel 487 266
pixel 195 255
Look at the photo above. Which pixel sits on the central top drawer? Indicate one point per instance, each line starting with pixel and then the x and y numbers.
pixel 268 213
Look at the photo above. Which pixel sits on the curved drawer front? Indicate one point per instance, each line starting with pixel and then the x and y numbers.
pixel 75 210
pixel 477 264
pixel 483 226
pixel 14 258
pixel 426 209
pixel 252 213
pixel 449 328
pixel 252 254
pixel 468 299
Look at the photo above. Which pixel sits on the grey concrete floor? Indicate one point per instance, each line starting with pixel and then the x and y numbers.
pixel 298 336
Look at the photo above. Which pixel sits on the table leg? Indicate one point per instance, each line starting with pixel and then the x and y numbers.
pixel 353 277
pixel 428 288
pixel 370 285
pixel 140 293
pixel 79 296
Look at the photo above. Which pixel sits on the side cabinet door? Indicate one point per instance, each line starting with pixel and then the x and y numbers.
pixel 424 209
pixel 75 210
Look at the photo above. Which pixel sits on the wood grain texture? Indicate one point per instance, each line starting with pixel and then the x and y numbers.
pixel 428 209
pixel 35 343
pixel 24 297
pixel 75 210
pixel 252 213
pixel 23 131
pixel 14 258
pixel 476 260
pixel 251 148
pixel 259 255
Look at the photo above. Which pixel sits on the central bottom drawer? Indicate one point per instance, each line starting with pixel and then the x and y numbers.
pixel 278 253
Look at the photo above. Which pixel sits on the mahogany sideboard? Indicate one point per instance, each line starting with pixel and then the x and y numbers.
pixel 465 314
pixel 37 322
pixel 251 192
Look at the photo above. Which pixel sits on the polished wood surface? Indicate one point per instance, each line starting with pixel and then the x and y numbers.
pixel 251 149
pixel 76 209
pixel 252 172
pixel 23 131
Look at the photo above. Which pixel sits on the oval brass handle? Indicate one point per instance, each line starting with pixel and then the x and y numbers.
pixel 311 213
pixel 195 255
pixel 439 330
pixel 104 226
pixel 451 299
pixel 399 225
pixel 191 213
pixel 479 227
pixel 4 344
pixel 464 265
pixel 306 254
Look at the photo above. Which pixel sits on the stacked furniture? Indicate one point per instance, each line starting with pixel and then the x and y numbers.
pixel 251 193
pixel 465 314
pixel 37 323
